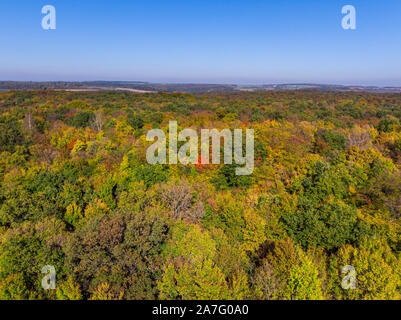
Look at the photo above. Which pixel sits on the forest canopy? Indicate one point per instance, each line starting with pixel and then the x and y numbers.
pixel 77 193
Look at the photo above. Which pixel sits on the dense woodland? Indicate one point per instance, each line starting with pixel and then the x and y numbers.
pixel 76 192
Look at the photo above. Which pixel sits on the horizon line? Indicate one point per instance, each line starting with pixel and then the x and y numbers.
pixel 210 83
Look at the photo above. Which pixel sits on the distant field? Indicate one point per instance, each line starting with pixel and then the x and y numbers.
pixel 145 87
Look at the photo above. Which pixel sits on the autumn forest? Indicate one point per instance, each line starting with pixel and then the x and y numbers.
pixel 77 193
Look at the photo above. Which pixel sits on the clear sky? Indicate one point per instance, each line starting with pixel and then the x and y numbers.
pixel 218 41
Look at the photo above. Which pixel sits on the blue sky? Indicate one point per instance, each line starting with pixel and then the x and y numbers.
pixel 218 41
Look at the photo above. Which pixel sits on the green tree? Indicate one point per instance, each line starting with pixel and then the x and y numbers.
pixel 377 272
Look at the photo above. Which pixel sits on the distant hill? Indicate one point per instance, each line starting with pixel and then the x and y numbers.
pixel 143 87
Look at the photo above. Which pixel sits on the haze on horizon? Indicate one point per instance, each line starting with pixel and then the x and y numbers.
pixel 229 41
